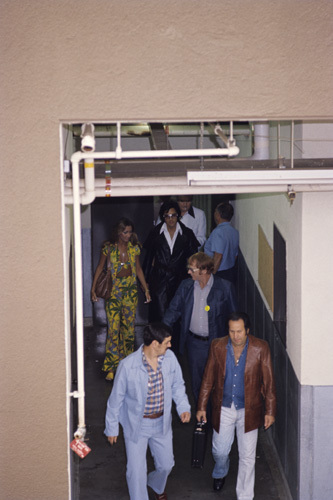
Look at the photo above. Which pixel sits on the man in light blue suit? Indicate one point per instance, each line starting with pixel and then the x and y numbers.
pixel 146 382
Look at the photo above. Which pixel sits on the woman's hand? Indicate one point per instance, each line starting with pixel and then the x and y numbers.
pixel 148 297
pixel 94 297
pixel 98 271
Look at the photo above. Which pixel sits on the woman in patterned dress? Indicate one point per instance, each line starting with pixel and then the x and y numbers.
pixel 124 251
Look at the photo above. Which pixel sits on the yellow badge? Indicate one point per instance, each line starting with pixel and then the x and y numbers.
pixel 207 308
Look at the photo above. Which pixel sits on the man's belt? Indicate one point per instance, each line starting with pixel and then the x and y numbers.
pixel 154 415
pixel 199 337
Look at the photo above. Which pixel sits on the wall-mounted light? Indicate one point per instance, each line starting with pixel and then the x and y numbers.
pixel 88 137
pixel 278 177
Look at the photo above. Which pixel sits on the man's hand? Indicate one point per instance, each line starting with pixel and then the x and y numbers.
pixel 185 417
pixel 112 439
pixel 217 259
pixel 201 415
pixel 269 420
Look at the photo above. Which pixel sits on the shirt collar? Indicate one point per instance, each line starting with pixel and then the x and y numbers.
pixel 190 212
pixel 209 283
pixel 146 364
pixel 164 228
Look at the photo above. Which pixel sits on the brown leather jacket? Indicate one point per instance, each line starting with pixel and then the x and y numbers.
pixel 259 385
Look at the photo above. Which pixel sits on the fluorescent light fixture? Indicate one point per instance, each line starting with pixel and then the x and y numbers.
pixel 259 177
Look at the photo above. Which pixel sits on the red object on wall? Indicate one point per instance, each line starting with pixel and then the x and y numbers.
pixel 80 448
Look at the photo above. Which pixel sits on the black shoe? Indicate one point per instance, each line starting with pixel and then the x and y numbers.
pixel 218 484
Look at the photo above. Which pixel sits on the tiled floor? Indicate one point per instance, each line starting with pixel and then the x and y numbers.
pixel 101 474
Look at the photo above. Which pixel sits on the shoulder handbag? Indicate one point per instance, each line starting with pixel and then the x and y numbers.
pixel 103 286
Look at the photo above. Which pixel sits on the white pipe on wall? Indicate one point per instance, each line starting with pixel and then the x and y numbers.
pixel 80 394
pixel 292 133
pixel 89 195
pixel 261 141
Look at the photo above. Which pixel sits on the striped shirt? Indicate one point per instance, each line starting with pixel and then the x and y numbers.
pixel 155 396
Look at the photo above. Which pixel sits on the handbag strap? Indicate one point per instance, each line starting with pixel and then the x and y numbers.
pixel 108 259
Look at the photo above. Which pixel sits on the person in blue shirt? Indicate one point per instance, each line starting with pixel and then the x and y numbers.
pixel 239 378
pixel 146 382
pixel 222 244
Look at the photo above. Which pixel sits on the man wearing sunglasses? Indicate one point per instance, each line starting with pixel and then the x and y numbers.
pixel 203 305
pixel 168 246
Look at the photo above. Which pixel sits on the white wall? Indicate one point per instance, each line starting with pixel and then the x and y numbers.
pixel 317 289
pixel 307 227
pixel 265 210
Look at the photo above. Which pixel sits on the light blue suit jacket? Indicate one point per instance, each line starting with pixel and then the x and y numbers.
pixel 127 400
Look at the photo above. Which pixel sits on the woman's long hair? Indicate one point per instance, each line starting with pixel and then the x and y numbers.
pixel 119 228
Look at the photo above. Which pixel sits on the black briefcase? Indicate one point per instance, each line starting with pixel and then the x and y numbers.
pixel 199 445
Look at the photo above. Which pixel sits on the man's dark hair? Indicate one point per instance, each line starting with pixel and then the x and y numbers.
pixel 237 315
pixel 165 207
pixel 188 196
pixel 156 331
pixel 225 210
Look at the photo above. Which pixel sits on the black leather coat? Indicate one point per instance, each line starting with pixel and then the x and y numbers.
pixel 164 270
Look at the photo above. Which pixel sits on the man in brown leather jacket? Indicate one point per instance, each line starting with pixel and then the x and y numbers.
pixel 239 377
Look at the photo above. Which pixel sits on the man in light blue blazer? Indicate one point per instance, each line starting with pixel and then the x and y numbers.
pixel 146 382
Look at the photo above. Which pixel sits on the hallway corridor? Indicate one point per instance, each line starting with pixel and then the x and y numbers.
pixel 101 475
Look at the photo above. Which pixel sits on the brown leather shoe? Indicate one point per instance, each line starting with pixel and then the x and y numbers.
pixel 161 496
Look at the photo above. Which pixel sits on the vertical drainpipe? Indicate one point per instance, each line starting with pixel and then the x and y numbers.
pixel 80 393
pixel 261 141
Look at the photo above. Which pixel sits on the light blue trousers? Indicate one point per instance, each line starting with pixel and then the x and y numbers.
pixel 161 449
pixel 232 419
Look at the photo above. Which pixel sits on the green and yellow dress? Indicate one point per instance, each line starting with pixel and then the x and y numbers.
pixel 120 308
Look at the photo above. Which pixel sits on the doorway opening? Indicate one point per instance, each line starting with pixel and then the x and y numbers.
pixel 138 179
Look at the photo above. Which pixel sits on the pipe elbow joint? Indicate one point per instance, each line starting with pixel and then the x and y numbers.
pixel 80 433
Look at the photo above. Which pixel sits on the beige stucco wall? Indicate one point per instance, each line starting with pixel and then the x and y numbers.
pixel 108 60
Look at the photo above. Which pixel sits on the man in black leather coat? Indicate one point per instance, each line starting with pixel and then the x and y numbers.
pixel 168 247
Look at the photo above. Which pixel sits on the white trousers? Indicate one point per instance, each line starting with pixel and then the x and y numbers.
pixel 231 420
pixel 160 445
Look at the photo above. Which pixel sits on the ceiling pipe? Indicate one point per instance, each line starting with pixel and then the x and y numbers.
pixel 144 129
pixel 228 141
pixel 89 195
